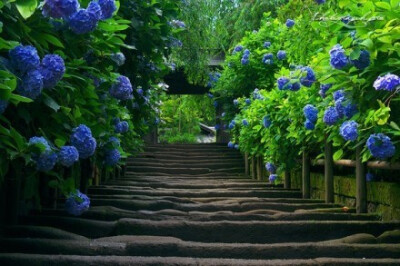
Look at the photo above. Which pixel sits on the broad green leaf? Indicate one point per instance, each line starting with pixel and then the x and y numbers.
pixel 26 7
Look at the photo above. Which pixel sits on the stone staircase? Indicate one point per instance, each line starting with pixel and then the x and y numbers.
pixel 192 205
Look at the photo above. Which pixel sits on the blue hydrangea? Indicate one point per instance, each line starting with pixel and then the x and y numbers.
pixel 95 9
pixel 215 103
pixel 248 101
pixel 309 125
pixel 108 7
pixel 112 157
pixel 319 2
pixel 281 55
pixel 338 94
pixel 350 110
pixel 217 126
pixel 122 127
pixel 348 130
pixel 338 57
pixel 289 23
pixel 210 95
pixel 266 121
pixel 324 89
pixel 380 146
pixel 46 161
pixel 238 48
pixel 231 125
pixel 294 86
pixel 77 203
pixel 24 58
pixel 3 106
pixel 52 70
pixel 273 177
pixel 245 122
pixel 60 8
pixel 83 21
pixel 231 144
pixel 283 83
pixel 267 44
pixel 122 89
pixel 268 59
pixel 33 141
pixel 363 60
pixel 31 84
pixel 68 155
pixel 331 116
pixel 389 82
pixel 177 24
pixel 340 107
pixel 118 58
pixel 246 52
pixel 369 177
pixel 236 146
pixel 309 78
pixel 270 167
pixel 346 19
pixel 83 141
pixel 244 61
pixel 236 102
pixel 311 112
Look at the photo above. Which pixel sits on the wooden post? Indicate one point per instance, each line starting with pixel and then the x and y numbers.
pixel 287 183
pixel 361 184
pixel 86 173
pixel 253 168
pixel 329 196
pixel 306 184
pixel 259 169
pixel 246 164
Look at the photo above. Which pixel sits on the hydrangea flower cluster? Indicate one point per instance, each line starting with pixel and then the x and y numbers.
pixel 273 177
pixel 324 89
pixel 178 24
pixel 289 23
pixel 380 146
pixel 122 89
pixel 389 82
pixel 213 78
pixel 77 203
pixel 319 2
pixel 238 48
pixel 267 44
pixel 231 144
pixel 338 57
pixel 268 59
pixel 236 146
pixel 248 101
pixel 346 19
pixel 140 91
pixel 217 126
pixel 46 159
pixel 266 121
pixel 80 20
pixel 52 69
pixel 122 127
pixel 363 60
pixel 311 114
pixel 246 57
pixel 236 102
pixel 338 94
pixel 33 74
pixel 232 124
pixel 284 83
pixel 270 167
pixel 68 155
pixel 281 55
pixel 343 106
pixel 331 116
pixel 112 157
pixel 215 103
pixel 245 122
pixel 257 95
pixel 348 130
pixel 83 141
pixel 369 177
pixel 118 58
pixel 210 95
pixel 309 79
pixel 3 106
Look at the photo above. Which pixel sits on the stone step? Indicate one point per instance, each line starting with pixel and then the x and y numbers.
pixel 169 246
pixel 108 213
pixel 183 157
pixel 186 160
pixel 218 231
pixel 17 259
pixel 184 170
pixel 208 165
pixel 214 175
pixel 188 193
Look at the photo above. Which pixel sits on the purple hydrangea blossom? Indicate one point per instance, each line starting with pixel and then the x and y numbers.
pixel 331 116
pixel 389 82
pixel 112 157
pixel 52 70
pixel 122 89
pixel 31 84
pixel 270 167
pixel 231 144
pixel 46 161
pixel 24 58
pixel 273 177
pixel 380 146
pixel 311 113
pixel 338 57
pixel 108 7
pixel 95 9
pixel 60 8
pixel 83 141
pixel 83 21
pixel 348 130
pixel 68 155
pixel 77 203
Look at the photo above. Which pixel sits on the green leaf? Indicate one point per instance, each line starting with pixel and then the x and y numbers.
pixel 50 102
pixel 338 155
pixel 15 98
pixel 26 7
pixel 60 142
pixel 383 5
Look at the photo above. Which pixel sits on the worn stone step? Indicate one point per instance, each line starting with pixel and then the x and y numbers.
pixel 218 231
pixel 18 259
pixel 214 175
pixel 189 156
pixel 134 160
pixel 108 213
pixel 169 246
pixel 188 193
pixel 208 165
pixel 184 170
